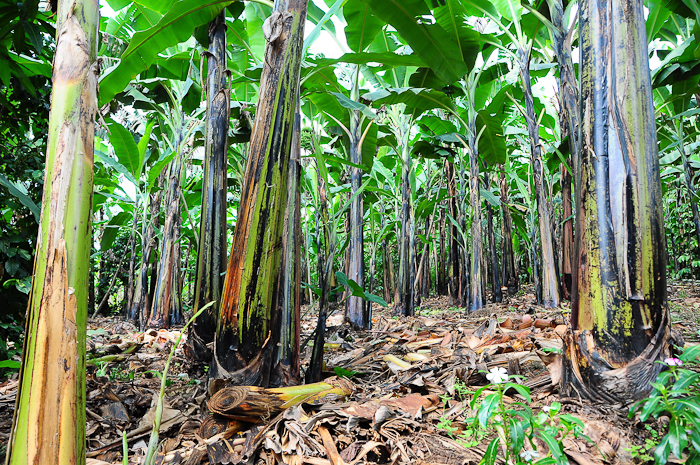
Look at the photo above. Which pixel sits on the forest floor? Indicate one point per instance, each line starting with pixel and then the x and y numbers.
pixel 399 412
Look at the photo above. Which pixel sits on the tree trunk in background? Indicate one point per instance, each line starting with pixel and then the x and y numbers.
pixel 550 282
pixel 510 276
pixel 462 238
pixel 319 244
pixel 167 299
pixel 176 308
pixel 567 233
pixel 454 271
pixel 308 254
pixel 387 273
pixel 326 257
pixel 242 349
pixel 355 310
pixel 130 290
pixel 620 319
pixel 103 271
pixel 418 272
pixel 569 122
pixel 675 252
pixel 405 292
pixel 425 275
pixel 688 177
pixel 535 264
pixel 435 249
pixel 141 303
pixel 346 258
pixel 495 278
pixel 441 265
pixel 387 265
pixel 49 419
pixel 285 353
pixel 183 279
pixel 372 272
pixel 211 257
pixel 476 296
pixel 151 282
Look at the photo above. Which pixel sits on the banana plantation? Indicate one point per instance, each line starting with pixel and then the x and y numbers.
pixel 339 232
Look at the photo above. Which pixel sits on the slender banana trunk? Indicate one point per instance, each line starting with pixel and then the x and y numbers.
pixel 476 297
pixel 355 310
pixel 441 265
pixel 141 304
pixel 535 264
pixel 495 278
pixel 454 270
pixel 326 256
pixel 319 244
pixel 49 420
pixel 620 318
pixel 464 257
pixel 510 277
pixel 550 283
pixel 406 290
pixel 132 264
pixel 244 342
pixel 568 233
pixel 285 354
pixel 176 308
pixel 387 263
pixel 425 260
pixel 308 256
pixel 569 122
pixel 688 177
pixel 211 257
pixel 167 300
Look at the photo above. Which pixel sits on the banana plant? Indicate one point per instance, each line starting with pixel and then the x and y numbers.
pixel 561 28
pixel 675 132
pixel 328 214
pixel 130 163
pixel 176 130
pixel 359 133
pixel 620 317
pixel 49 420
pixel 248 327
pixel 675 82
pixel 427 95
pixel 211 256
pixel 164 26
pixel 518 29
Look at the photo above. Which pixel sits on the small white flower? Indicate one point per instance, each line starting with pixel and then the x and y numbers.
pixel 546 408
pixel 498 375
pixel 528 455
pixel 673 362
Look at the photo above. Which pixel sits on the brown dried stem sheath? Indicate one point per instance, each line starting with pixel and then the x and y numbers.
pixel 251 403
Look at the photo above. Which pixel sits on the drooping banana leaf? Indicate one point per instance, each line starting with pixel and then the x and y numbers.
pixel 174 27
pixel 428 41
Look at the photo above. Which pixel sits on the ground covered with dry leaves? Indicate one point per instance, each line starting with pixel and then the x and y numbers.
pixel 407 404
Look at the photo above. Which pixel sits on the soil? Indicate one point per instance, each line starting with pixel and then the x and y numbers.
pixel 403 412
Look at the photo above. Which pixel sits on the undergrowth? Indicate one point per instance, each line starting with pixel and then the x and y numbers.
pixel 518 432
pixel 676 395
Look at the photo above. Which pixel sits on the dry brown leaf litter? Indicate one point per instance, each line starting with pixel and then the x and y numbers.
pixel 405 368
